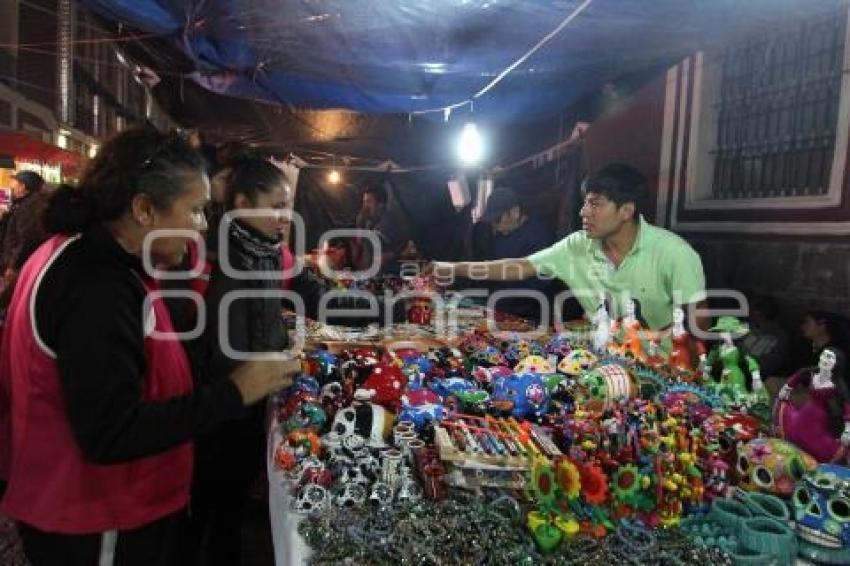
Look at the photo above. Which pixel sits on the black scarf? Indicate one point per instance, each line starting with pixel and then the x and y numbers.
pixel 253 251
pixel 250 250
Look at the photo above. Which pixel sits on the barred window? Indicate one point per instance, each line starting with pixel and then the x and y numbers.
pixel 777 112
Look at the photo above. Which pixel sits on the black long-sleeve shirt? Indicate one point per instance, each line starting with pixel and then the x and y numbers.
pixel 89 311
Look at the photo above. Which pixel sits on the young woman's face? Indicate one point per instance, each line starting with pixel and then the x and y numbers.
pixel 275 202
pixel 185 213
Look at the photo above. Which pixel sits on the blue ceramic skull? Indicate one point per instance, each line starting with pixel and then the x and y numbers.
pixel 821 504
pixel 524 395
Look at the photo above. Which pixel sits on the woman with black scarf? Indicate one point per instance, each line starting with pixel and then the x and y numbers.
pixel 247 248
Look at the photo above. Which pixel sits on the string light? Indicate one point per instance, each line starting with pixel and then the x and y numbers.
pixel 333 177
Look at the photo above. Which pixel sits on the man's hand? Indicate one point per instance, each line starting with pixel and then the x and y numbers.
pixel 256 379
pixel 439 269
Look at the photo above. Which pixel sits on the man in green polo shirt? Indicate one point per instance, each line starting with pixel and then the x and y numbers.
pixel 617 254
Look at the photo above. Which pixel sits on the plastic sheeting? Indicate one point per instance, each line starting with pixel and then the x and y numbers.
pixel 406 56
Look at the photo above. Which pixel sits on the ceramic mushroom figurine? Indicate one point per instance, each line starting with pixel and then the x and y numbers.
pixel 821 426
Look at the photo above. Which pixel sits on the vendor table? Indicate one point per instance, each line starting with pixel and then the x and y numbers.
pixel 290 549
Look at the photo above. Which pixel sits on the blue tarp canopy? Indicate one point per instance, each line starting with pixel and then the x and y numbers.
pixel 406 56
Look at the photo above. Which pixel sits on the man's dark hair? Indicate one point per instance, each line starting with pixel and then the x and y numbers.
pixel 620 184
pixel 379 192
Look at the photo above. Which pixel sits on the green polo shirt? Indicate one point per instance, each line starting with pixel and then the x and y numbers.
pixel 661 271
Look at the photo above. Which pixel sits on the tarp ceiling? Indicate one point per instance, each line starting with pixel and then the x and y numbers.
pixel 402 56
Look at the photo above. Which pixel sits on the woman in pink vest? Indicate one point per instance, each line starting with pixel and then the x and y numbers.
pixel 97 405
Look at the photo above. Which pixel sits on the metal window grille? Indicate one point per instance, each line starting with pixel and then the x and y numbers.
pixel 778 109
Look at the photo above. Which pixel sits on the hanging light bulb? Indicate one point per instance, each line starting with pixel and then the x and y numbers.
pixel 333 177
pixel 470 147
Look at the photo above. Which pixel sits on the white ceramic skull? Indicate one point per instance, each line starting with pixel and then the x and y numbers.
pixel 409 491
pixel 370 466
pixel 382 494
pixel 353 475
pixel 351 495
pixel 337 460
pixel 311 498
pixel 355 445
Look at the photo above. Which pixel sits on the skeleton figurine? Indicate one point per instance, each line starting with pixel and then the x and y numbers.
pixel 821 426
pixel 602 327
pixel 680 344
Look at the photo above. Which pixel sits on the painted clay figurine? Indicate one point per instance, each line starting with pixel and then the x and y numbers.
pixel 602 327
pixel 680 359
pixel 733 381
pixel 821 426
pixel 628 334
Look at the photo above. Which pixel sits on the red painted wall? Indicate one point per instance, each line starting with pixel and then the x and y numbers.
pixel 631 134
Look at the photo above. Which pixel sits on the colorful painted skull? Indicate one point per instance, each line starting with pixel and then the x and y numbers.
pixel 487 376
pixel 487 357
pixel 600 388
pixel 325 365
pixel 308 415
pixel 726 432
pixel 447 358
pixel 558 346
pixel 535 364
pixel 418 364
pixel 521 395
pixel 421 406
pixel 577 361
pixel 821 504
pixel 421 415
pixel 356 365
pixel 772 466
pixel 458 392
pixel 473 341
pixel 519 349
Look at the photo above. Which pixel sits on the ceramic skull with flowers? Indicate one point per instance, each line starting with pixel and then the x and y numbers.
pixel 772 466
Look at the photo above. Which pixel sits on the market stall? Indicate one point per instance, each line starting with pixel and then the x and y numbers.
pixel 601 443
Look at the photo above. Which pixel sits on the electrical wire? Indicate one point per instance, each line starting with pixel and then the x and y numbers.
pixel 507 70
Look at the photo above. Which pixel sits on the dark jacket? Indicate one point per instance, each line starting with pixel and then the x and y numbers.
pixel 250 325
pixel 89 311
pixel 23 230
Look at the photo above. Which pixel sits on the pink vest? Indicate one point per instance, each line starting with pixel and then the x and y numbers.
pixel 287 260
pixel 51 484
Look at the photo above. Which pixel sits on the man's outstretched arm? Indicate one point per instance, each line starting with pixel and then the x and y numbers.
pixel 515 269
